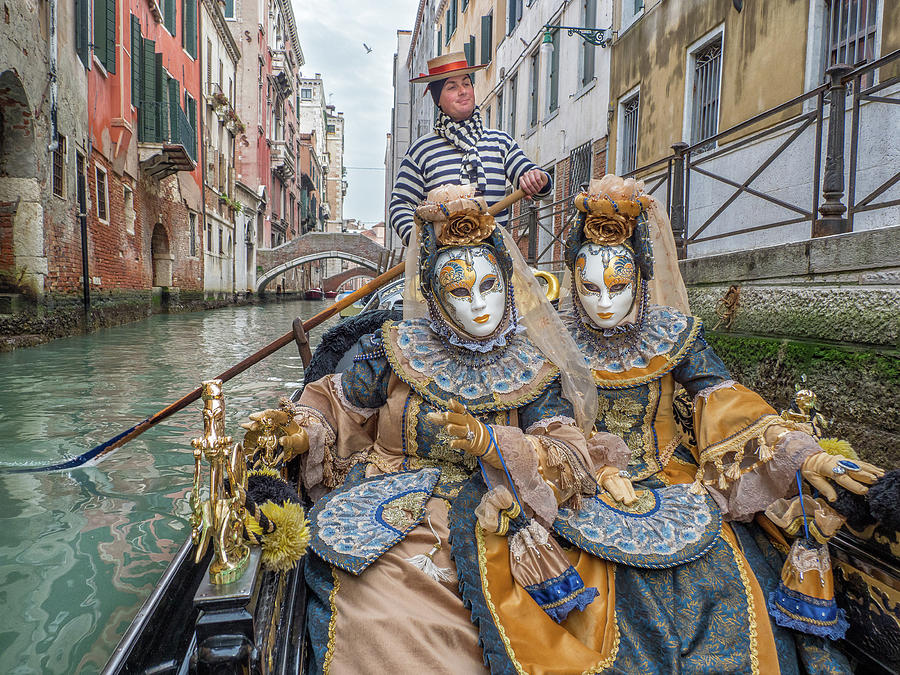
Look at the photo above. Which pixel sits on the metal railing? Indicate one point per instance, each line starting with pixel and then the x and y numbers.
pixel 823 111
pixel 160 122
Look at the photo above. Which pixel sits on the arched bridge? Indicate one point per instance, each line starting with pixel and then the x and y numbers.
pixel 334 282
pixel 356 248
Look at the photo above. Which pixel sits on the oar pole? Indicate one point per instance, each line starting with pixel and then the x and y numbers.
pixel 251 360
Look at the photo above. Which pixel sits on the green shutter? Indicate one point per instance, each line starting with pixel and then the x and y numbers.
pixel 228 12
pixel 149 111
pixel 110 62
pixel 169 15
pixel 487 28
pixel 440 42
pixel 100 30
pixel 189 27
pixel 82 31
pixel 190 107
pixel 136 49
pixel 174 107
pixel 467 50
pixel 554 73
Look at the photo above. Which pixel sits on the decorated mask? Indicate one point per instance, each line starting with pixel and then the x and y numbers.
pixel 470 289
pixel 606 280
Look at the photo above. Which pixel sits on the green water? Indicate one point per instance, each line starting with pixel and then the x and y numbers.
pixel 81 550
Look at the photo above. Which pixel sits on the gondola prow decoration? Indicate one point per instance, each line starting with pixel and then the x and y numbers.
pixel 219 517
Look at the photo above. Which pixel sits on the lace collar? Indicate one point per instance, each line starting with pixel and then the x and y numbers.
pixel 504 377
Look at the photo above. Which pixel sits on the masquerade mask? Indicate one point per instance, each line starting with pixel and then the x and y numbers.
pixel 470 289
pixel 606 280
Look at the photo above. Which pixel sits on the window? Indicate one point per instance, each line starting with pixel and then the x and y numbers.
pixel 487 37
pixel 189 27
pixel 513 14
pixel 451 20
pixel 513 92
pixel 59 166
pixel 82 30
pixel 487 117
pixel 579 167
pixel 330 128
pixel 192 221
pixel 209 236
pixel 533 90
pixel 440 42
pixel 629 112
pixel 168 9
pixel 221 242
pixel 228 9
pixel 102 196
pixel 553 75
pixel 589 20
pixel 500 111
pixel 631 12
pixel 851 33
pixel 306 94
pixel 105 33
pixel 706 83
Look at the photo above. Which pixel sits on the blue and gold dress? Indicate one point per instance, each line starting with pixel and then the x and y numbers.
pixel 706 612
pixel 388 487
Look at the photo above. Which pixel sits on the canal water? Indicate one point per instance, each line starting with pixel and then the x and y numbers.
pixel 81 550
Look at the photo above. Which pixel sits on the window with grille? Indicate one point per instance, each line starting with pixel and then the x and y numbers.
pixel 579 167
pixel 102 196
pixel 533 91
pixel 850 38
pixel 630 113
pixel 705 95
pixel 59 167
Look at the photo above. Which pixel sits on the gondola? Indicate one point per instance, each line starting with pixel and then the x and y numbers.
pixel 257 624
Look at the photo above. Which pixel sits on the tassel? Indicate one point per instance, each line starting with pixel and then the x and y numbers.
pixel 765 452
pixel 425 562
pixel 734 472
pixel 723 484
pixel 696 487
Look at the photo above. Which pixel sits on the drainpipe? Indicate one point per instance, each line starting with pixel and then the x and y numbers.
pixel 202 105
pixel 54 84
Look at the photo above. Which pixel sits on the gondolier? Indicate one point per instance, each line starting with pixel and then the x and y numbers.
pixel 460 149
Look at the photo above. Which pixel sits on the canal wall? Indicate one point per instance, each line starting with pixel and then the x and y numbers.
pixel 826 309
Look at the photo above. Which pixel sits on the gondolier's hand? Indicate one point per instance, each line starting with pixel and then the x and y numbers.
pixel 533 181
pixel 469 435
pixel 817 469
pixel 617 483
pixel 293 438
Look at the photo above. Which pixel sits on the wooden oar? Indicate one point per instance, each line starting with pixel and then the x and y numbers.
pixel 253 359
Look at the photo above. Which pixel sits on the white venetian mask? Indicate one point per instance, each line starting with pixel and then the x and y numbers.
pixel 471 289
pixel 606 283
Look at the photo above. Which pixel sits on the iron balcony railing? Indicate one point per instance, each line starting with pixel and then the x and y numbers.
pixel 160 122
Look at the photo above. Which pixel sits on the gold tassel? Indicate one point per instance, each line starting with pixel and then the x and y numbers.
pixel 765 452
pixel 734 472
pixel 723 484
pixel 697 487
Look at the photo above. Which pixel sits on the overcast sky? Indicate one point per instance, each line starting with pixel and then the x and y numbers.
pixel 332 33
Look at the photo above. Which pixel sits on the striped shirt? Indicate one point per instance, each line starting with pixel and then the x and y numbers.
pixel 433 161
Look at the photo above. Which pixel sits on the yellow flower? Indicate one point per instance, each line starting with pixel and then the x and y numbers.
pixel 466 227
pixel 608 230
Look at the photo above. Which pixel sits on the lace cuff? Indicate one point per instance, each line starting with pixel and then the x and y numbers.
pixel 547 421
pixel 705 393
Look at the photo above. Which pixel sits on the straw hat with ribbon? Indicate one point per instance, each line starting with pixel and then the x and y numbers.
pixel 448 65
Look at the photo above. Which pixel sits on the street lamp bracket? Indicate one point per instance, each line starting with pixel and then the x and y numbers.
pixel 602 37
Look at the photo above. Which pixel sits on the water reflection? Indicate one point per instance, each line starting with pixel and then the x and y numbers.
pixel 81 550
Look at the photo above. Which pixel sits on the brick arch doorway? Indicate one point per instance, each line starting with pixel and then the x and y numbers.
pixel 162 259
pixel 22 259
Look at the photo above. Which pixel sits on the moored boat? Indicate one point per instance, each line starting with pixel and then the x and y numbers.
pixel 313 294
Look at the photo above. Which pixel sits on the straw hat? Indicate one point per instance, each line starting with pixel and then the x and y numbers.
pixel 448 65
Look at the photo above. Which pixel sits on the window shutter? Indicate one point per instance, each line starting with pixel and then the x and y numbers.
pixel 467 50
pixel 169 11
pixel 136 49
pixel 149 110
pixel 82 31
pixel 440 42
pixel 100 30
pixel 189 27
pixel 487 27
pixel 174 107
pixel 554 73
pixel 110 62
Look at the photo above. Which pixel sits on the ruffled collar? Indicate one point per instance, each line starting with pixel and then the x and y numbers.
pixel 663 331
pixel 480 379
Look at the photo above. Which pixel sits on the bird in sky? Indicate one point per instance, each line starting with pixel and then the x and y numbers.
pixel 368 48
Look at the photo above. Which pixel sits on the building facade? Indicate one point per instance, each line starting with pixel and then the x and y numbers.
pixel 398 138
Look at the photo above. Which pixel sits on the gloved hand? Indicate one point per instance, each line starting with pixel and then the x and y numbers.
pixel 819 468
pixel 619 486
pixel 469 435
pixel 265 426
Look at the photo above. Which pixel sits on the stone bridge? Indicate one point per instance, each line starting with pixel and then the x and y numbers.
pixel 334 282
pixel 356 248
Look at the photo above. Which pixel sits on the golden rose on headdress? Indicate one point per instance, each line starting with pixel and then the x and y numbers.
pixel 608 230
pixel 465 227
